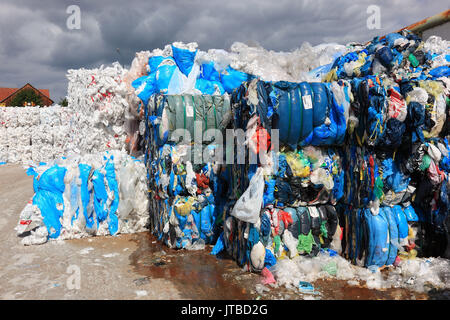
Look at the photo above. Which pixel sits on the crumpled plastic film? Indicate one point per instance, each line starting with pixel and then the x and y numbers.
pixel 81 196
pixel 94 120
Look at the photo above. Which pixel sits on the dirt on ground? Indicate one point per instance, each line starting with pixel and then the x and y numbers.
pixel 132 266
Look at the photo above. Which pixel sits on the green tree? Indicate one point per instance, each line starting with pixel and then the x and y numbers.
pixel 63 102
pixel 26 96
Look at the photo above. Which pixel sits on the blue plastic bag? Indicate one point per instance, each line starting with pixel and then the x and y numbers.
pixel 163 76
pixel 145 87
pixel 113 220
pixel 49 198
pixel 269 259
pixel 219 246
pixel 442 71
pixel 184 59
pixel 232 79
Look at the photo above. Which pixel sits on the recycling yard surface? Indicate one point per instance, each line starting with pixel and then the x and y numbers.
pixel 313 166
pixel 133 266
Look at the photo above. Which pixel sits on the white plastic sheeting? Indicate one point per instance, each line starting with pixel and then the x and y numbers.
pixel 417 274
pixel 33 133
pixel 93 121
pixel 97 100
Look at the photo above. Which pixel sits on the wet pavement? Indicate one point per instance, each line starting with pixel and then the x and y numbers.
pixel 136 266
pixel 199 275
pixel 196 274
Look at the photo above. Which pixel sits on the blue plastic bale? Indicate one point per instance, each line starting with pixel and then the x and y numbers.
pixel 308 113
pixel 290 110
pixel 321 103
pixel 334 133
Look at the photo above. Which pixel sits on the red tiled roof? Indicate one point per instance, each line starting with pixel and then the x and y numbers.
pixel 46 92
pixel 6 92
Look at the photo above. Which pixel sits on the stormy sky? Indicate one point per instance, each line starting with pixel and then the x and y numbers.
pixel 37 47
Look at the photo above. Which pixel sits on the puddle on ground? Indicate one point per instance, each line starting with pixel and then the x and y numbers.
pixel 196 274
pixel 199 275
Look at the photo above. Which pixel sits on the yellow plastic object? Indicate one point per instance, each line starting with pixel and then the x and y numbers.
pixel 434 88
pixel 359 63
pixel 412 254
pixel 330 76
pixel 299 165
pixel 184 205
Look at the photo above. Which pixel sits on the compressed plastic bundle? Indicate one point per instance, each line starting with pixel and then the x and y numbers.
pixel 187 200
pixel 32 136
pixel 10 117
pixel 93 122
pixel 391 195
pixel 405 57
pixel 185 111
pixel 187 193
pixel 392 114
pixel 294 214
pixel 98 194
pixel 359 167
pixel 279 195
pixel 97 98
pixel 305 113
pixel 3 142
pixel 306 63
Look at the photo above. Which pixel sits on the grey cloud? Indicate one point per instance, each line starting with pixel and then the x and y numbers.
pixel 36 46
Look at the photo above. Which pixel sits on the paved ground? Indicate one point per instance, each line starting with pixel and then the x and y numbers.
pixel 127 266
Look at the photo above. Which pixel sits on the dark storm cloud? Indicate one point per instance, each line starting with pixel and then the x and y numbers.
pixel 37 47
